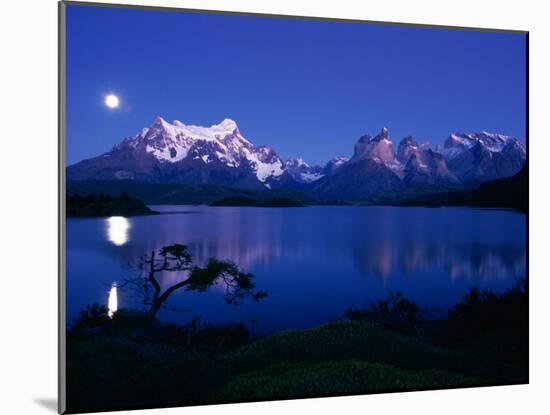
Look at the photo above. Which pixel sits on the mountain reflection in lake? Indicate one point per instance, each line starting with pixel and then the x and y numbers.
pixel 314 262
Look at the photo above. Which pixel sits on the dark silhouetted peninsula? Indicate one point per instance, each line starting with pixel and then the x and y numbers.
pixel 104 205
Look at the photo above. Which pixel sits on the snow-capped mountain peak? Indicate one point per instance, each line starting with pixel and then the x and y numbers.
pixel 223 142
pixel 483 155
pixel 301 171
pixel 384 134
pixel 227 124
pixel 462 158
pixel 334 164
pixel 171 142
pixel 175 152
pixel 378 148
pixel 491 141
pixel 296 161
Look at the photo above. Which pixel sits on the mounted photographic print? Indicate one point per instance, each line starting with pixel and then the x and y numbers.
pixel 259 207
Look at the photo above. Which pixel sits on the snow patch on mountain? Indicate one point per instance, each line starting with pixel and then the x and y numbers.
pixel 334 164
pixel 264 162
pixel 301 171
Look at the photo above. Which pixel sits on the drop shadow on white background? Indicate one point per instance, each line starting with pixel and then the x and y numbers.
pixel 47 403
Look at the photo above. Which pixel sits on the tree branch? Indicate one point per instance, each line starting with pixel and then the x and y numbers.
pixel 151 276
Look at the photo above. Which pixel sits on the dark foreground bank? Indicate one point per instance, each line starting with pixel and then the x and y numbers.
pixel 131 361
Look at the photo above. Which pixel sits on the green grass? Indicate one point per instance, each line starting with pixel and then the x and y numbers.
pixel 365 342
pixel 334 378
pixel 157 366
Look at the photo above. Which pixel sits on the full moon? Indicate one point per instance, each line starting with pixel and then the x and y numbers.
pixel 111 101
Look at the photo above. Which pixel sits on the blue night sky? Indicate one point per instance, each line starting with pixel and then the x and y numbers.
pixel 307 88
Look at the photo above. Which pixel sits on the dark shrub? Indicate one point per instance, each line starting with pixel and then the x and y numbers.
pixel 481 312
pixel 394 312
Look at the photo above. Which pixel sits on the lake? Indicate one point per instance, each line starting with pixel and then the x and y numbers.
pixel 315 262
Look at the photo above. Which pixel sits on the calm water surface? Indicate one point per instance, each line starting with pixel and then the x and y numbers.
pixel 315 262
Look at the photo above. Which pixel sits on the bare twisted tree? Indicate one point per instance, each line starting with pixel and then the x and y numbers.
pixel 176 258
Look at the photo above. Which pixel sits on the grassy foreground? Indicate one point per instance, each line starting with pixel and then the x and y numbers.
pixel 133 362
